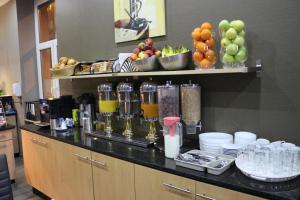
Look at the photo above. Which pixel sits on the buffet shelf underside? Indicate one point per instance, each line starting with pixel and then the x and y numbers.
pixel 167 73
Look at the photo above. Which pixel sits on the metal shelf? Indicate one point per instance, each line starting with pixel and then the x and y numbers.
pixel 168 73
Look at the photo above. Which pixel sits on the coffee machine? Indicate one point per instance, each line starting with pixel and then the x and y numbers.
pixel 60 108
pixel 86 112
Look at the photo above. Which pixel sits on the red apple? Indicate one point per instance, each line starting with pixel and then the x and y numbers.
pixel 136 50
pixel 149 42
pixel 149 52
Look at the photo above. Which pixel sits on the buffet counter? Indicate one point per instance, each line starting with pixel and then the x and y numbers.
pixel 128 172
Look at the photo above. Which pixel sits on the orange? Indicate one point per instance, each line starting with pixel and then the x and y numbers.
pixel 210 43
pixel 196 34
pixel 205 63
pixel 206 25
pixel 210 55
pixel 197 56
pixel 205 34
pixel 195 42
pixel 202 47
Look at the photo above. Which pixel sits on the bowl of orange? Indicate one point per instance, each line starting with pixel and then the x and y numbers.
pixel 204 56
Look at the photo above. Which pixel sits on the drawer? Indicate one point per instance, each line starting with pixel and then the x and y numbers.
pixel 6 135
pixel 210 192
pixel 153 184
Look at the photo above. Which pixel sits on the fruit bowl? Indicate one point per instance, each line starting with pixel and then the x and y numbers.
pixel 176 62
pixel 146 64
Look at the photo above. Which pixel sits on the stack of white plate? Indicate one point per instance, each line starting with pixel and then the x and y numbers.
pixel 244 138
pixel 212 142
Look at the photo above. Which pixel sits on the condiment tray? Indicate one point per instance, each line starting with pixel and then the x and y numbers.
pixel 201 160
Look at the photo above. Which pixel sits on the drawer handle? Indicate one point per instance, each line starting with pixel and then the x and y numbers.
pixel 3 146
pixel 34 140
pixel 84 158
pixel 176 188
pixel 100 164
pixel 203 196
pixel 42 143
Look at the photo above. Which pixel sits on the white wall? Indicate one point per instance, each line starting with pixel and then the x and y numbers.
pixel 9 47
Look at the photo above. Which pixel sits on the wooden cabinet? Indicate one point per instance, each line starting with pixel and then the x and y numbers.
pixel 113 178
pixel 152 185
pixel 74 173
pixel 6 147
pixel 39 162
pixel 210 192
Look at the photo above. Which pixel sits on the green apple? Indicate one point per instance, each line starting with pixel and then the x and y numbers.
pixel 224 25
pixel 225 42
pixel 238 25
pixel 241 56
pixel 232 49
pixel 240 41
pixel 228 59
pixel 242 33
pixel 231 33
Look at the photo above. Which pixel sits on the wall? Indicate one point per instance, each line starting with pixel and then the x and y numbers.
pixel 9 52
pixel 9 47
pixel 269 106
pixel 25 10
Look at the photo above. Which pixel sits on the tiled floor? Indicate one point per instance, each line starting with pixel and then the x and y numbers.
pixel 21 190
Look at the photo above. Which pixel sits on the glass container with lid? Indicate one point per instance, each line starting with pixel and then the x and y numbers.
pixel 128 105
pixel 191 106
pixel 127 99
pixel 168 101
pixel 149 107
pixel 107 98
pixel 107 104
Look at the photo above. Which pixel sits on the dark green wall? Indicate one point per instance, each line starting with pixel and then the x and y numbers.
pixel 269 106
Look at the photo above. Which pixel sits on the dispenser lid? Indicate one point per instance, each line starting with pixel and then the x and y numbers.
pixel 190 85
pixel 168 85
pixel 148 86
pixel 105 87
pixel 125 87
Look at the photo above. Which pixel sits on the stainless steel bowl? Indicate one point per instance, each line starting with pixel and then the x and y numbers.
pixel 176 62
pixel 146 64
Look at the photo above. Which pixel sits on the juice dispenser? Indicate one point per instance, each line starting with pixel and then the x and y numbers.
pixel 149 107
pixel 128 106
pixel 191 106
pixel 107 105
pixel 168 101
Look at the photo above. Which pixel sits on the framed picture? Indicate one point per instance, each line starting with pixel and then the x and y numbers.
pixel 139 19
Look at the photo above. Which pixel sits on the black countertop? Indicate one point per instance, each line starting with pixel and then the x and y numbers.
pixel 231 179
pixel 7 127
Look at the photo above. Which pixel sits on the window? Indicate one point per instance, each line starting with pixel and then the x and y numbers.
pixel 46 47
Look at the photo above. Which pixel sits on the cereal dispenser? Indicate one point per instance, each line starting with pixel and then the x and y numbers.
pixel 168 101
pixel 191 106
pixel 149 107
pixel 107 105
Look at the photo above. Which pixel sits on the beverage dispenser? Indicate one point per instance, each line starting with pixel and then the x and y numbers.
pixel 107 105
pixel 128 106
pixel 149 107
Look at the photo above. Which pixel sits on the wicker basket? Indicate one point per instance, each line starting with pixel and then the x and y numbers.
pixel 66 71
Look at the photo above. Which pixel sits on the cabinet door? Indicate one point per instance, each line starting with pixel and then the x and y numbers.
pixel 74 173
pixel 152 185
pixel 39 163
pixel 113 178
pixel 210 192
pixel 6 147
